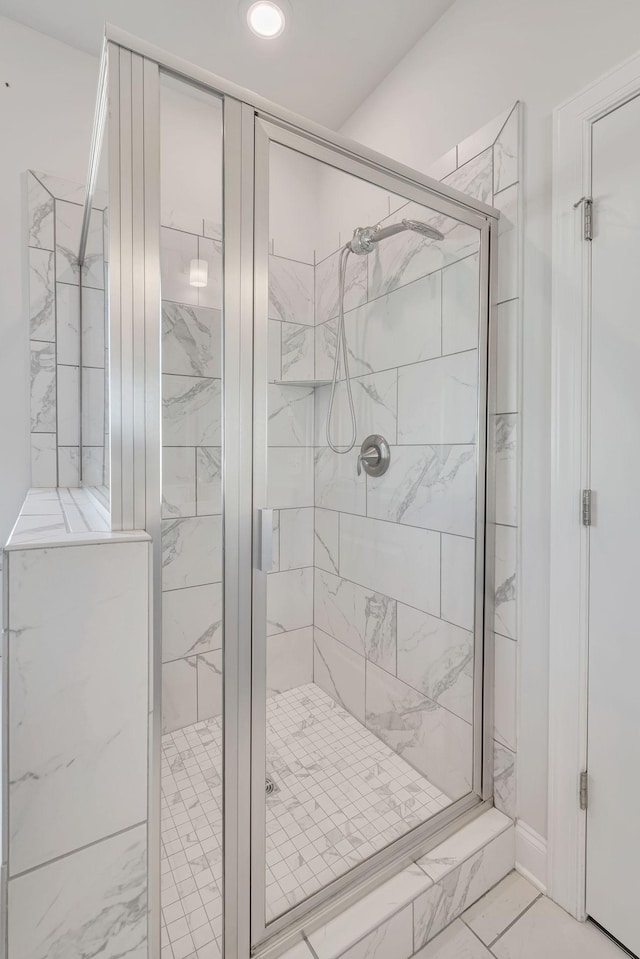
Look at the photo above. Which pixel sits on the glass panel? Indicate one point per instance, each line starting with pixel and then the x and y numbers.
pixel 192 637
pixel 94 326
pixel 370 601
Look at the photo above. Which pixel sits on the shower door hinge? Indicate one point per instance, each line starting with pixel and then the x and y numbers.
pixel 587 215
pixel 586 507
pixel 584 789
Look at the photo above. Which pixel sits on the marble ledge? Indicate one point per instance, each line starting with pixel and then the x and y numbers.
pixel 338 936
pixel 62 516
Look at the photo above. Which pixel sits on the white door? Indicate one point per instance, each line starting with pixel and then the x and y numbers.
pixel 613 817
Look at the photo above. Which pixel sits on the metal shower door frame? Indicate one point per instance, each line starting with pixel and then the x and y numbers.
pixel 250 124
pixel 318 907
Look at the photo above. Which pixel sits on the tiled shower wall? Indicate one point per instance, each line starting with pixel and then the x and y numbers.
pixel 391 599
pixel 60 351
pixel 191 481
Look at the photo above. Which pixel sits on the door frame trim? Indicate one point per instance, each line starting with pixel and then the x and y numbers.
pixel 569 554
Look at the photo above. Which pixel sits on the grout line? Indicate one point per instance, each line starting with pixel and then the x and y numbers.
pixel 517 919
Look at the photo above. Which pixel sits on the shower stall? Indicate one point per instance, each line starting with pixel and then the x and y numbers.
pixel 300 364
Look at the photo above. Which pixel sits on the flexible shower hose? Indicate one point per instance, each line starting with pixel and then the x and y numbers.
pixel 341 340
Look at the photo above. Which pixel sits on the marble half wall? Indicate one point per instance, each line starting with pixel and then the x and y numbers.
pixel 77 719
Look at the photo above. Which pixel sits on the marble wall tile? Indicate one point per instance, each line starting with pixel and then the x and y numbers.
pixel 274 351
pixel 392 939
pixel 475 177
pixel 93 899
pixel 506 468
pixel 398 561
pixel 68 228
pixel 461 887
pixel 290 415
pixel 430 738
pixel 209 685
pixel 505 671
pixel 68 324
pixel 208 480
pixel 93 327
pixel 504 779
pixel 340 672
pixel 69 465
pixel 361 619
pixel 93 413
pixel 296 538
pixel 191 411
pixel 505 581
pixel 179 694
pixel 178 481
pixel 44 462
pixel 289 600
pixel 191 621
pixel 78 691
pixel 43 387
pixel 399 328
pixel 63 189
pixel 93 266
pixel 461 845
pixel 508 243
pixel 93 466
pixel 191 551
pixel 327 286
pixel 68 405
pixel 455 942
pixel 191 340
pixel 177 249
pixel 445 165
pixel 375 399
pixel 290 476
pixel 41 218
pixel 461 305
pixel 438 400
pixel 275 545
pixel 289 660
pixel 42 307
pixel 505 154
pixel 429 486
pixel 436 658
pixel 458 580
pixel 327 535
pixel 291 291
pixel 325 349
pixel 211 251
pixel 338 485
pixel 507 357
pixel 297 352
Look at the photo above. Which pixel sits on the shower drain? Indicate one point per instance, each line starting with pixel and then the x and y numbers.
pixel 270 786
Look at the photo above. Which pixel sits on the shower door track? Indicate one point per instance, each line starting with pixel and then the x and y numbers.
pixel 249 125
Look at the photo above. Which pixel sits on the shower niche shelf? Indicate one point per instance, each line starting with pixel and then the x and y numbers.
pixel 311 383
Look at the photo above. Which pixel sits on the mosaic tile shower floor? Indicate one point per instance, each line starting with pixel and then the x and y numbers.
pixel 341 794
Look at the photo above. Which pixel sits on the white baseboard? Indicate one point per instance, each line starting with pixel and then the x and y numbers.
pixel 531 855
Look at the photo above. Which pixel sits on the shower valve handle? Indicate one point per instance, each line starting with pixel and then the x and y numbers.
pixel 370 457
pixel 374 456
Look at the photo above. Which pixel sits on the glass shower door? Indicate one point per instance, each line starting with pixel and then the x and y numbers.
pixel 369 493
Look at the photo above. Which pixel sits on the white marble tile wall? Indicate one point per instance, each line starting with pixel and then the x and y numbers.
pixel 54 219
pixel 77 717
pixel 394 555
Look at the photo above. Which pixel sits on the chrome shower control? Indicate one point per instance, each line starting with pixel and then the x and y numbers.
pixel 374 456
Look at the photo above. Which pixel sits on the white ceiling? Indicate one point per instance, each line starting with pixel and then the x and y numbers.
pixel 332 56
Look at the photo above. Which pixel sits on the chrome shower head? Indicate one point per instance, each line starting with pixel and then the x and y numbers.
pixel 364 237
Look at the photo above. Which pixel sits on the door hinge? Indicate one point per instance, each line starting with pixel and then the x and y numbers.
pixel 584 789
pixel 587 215
pixel 586 507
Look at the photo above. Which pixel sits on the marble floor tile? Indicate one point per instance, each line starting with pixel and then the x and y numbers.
pixel 455 942
pixel 547 930
pixel 501 906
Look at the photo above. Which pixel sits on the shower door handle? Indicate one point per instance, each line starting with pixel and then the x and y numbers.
pixel 264 540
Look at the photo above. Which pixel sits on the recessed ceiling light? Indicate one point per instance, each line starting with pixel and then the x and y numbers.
pixel 266 19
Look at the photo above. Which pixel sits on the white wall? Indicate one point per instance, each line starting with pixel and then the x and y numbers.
pixel 476 60
pixel 46 114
